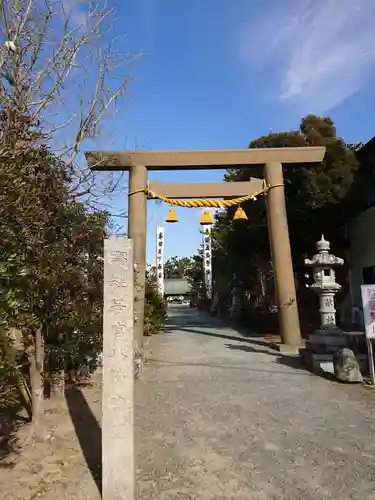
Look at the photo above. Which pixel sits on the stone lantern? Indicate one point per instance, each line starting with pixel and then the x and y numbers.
pixel 323 264
pixel 328 338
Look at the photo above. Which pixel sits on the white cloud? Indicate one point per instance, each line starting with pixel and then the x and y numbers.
pixel 318 52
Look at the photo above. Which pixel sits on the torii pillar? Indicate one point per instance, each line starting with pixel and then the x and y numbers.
pixel 271 159
pixel 281 256
pixel 137 228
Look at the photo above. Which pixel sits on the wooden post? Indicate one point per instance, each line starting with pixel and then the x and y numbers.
pixel 282 258
pixel 118 463
pixel 137 227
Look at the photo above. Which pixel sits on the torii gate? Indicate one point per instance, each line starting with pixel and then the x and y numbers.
pixel 137 163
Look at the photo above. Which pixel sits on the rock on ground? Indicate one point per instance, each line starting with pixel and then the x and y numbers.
pixel 346 366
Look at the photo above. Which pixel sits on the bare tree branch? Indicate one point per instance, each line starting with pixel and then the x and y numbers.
pixel 63 77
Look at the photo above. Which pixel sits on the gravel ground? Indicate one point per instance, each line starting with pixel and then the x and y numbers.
pixel 218 417
pixel 229 419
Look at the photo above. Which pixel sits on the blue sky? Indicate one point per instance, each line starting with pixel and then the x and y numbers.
pixel 217 74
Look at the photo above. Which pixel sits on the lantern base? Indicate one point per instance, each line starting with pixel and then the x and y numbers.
pixel 330 330
pixel 321 346
pixel 326 340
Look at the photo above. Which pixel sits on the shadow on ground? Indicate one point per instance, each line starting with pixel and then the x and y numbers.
pixel 182 316
pixel 249 348
pixel 182 320
pixel 223 366
pixel 88 432
pixel 293 362
pixel 296 363
pixel 10 423
pixel 218 335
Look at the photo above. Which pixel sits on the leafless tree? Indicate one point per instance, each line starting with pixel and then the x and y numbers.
pixel 62 75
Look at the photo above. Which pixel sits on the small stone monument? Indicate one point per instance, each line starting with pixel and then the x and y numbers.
pixel 237 297
pixel 328 338
pixel 118 455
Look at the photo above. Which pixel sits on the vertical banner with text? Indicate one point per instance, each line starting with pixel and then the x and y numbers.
pixel 207 261
pixel 160 259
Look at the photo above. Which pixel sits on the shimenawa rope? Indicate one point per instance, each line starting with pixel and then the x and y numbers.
pixel 205 202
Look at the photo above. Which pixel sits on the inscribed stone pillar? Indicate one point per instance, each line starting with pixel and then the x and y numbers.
pixel 137 227
pixel 118 467
pixel 281 254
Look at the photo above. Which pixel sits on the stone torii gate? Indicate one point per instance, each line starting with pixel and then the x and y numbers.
pixel 272 160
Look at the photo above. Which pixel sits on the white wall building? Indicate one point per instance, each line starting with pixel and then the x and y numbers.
pixel 360 231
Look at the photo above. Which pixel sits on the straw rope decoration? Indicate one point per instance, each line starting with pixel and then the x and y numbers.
pixel 206 203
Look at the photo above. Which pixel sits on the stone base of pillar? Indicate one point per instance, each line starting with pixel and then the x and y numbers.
pixel 331 330
pixel 287 350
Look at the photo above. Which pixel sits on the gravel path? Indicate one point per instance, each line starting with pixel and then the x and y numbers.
pixel 222 417
pixel 217 417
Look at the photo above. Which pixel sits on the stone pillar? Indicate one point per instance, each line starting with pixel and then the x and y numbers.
pixel 282 258
pixel 118 463
pixel 137 227
pixel 327 309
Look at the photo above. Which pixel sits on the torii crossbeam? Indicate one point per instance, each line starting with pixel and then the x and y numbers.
pixel 271 160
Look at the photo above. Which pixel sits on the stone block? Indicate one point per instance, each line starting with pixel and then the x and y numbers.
pixel 317 362
pixel 325 344
pixel 331 340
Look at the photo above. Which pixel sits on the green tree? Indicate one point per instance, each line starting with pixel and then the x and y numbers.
pixel 175 267
pixel 50 267
pixel 155 305
pixel 314 194
pixel 155 309
pixel 194 271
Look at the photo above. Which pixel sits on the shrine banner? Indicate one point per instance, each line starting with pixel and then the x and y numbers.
pixel 160 259
pixel 207 261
